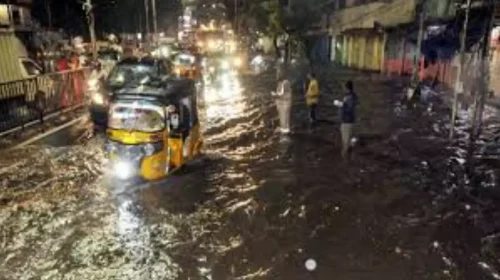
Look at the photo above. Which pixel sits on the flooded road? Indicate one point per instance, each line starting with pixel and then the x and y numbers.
pixel 260 206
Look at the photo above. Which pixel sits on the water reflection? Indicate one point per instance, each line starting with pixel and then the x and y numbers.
pixel 130 226
pixel 224 99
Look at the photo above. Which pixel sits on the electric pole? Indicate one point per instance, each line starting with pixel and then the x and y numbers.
pixel 416 61
pixel 459 76
pixel 88 8
pixel 483 77
pixel 236 25
pixel 146 8
pixel 48 6
pixel 155 20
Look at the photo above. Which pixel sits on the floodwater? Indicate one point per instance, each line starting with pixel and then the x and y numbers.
pixel 408 205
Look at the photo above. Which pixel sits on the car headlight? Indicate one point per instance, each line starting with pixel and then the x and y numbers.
pixel 149 149
pixel 225 64
pixel 98 98
pixel 238 61
pixel 258 60
pixel 123 170
pixel 92 84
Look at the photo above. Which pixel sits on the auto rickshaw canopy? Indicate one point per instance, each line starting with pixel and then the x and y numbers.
pixel 164 92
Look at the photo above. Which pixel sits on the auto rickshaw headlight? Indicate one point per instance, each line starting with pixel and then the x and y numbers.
pixel 98 99
pixel 149 149
pixel 225 64
pixel 238 62
pixel 123 170
pixel 92 84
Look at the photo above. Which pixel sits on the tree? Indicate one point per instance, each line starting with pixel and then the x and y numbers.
pixel 290 20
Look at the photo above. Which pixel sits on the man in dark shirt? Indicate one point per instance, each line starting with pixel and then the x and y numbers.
pixel 347 116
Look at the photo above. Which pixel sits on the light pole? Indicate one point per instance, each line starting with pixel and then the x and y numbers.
pixel 416 61
pixel 155 20
pixel 459 76
pixel 88 8
pixel 146 7
pixel 236 25
pixel 48 7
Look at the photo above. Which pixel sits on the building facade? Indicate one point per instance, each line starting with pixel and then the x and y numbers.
pixel 16 15
pixel 380 35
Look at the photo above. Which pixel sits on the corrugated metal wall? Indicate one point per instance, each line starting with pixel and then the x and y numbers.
pixel 10 50
pixel 363 51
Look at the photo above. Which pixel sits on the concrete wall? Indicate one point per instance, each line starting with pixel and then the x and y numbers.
pixel 364 16
pixel 388 14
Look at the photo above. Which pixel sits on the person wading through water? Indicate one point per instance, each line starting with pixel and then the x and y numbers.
pixel 283 100
pixel 312 96
pixel 347 117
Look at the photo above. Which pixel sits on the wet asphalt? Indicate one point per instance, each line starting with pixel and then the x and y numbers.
pixel 258 205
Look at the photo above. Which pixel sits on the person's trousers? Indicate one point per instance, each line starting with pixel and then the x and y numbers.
pixel 346 135
pixel 284 109
pixel 312 112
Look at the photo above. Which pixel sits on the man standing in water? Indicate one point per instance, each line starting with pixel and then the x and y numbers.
pixel 283 96
pixel 312 96
pixel 347 116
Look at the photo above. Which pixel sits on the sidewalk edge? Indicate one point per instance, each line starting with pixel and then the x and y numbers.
pixel 47 133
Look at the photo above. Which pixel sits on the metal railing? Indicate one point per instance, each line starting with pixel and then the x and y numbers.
pixel 24 102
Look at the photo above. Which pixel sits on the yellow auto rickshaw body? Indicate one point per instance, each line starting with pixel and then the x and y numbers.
pixel 150 135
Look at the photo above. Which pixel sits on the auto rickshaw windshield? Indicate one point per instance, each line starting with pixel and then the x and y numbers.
pixel 131 74
pixel 184 59
pixel 133 116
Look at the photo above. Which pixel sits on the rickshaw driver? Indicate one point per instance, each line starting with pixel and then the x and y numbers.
pixel 174 123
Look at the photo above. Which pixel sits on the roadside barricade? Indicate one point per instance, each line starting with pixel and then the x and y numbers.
pixel 33 100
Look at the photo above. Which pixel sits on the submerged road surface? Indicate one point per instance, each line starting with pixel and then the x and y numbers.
pixel 257 205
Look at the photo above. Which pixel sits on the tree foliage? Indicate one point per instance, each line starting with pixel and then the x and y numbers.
pixel 295 19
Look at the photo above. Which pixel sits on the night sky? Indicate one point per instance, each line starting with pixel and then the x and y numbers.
pixel 112 16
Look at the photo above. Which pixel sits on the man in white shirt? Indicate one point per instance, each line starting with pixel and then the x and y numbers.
pixel 283 96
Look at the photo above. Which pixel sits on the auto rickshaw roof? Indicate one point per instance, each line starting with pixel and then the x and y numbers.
pixel 167 92
pixel 147 60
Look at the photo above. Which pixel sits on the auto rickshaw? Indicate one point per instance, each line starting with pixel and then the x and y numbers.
pixel 153 130
pixel 185 65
